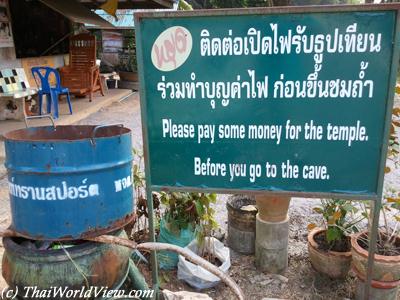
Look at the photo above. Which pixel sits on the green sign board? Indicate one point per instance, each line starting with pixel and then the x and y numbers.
pixel 294 101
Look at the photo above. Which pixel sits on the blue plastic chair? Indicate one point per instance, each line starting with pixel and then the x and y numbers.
pixel 52 92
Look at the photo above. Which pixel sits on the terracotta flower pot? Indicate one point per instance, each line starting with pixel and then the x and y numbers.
pixel 386 268
pixel 378 290
pixel 331 263
pixel 272 208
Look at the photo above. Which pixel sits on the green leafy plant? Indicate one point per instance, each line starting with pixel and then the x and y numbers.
pixel 340 219
pixel 389 232
pixel 189 210
pixel 206 214
pixel 140 227
pixel 193 211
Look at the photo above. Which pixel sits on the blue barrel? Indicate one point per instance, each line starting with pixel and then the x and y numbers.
pixel 69 182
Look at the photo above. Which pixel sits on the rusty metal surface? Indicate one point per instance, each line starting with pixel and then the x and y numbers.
pixel 121 223
pixel 238 218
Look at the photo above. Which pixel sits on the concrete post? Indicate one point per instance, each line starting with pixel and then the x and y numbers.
pixel 272 233
pixel 271 248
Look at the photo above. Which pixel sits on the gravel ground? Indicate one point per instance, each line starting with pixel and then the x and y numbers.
pixel 299 282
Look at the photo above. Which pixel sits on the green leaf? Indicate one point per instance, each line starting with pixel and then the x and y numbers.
pixel 199 208
pixel 213 198
pixel 333 234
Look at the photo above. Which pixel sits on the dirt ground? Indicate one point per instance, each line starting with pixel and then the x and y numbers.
pixel 299 282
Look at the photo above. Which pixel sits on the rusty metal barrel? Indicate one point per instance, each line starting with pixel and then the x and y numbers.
pixel 241 223
pixel 69 182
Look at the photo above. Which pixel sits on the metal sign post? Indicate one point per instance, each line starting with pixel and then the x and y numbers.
pixel 292 101
pixel 373 232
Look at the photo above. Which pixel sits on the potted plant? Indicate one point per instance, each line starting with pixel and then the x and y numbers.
pixel 206 246
pixel 182 220
pixel 329 247
pixel 386 273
